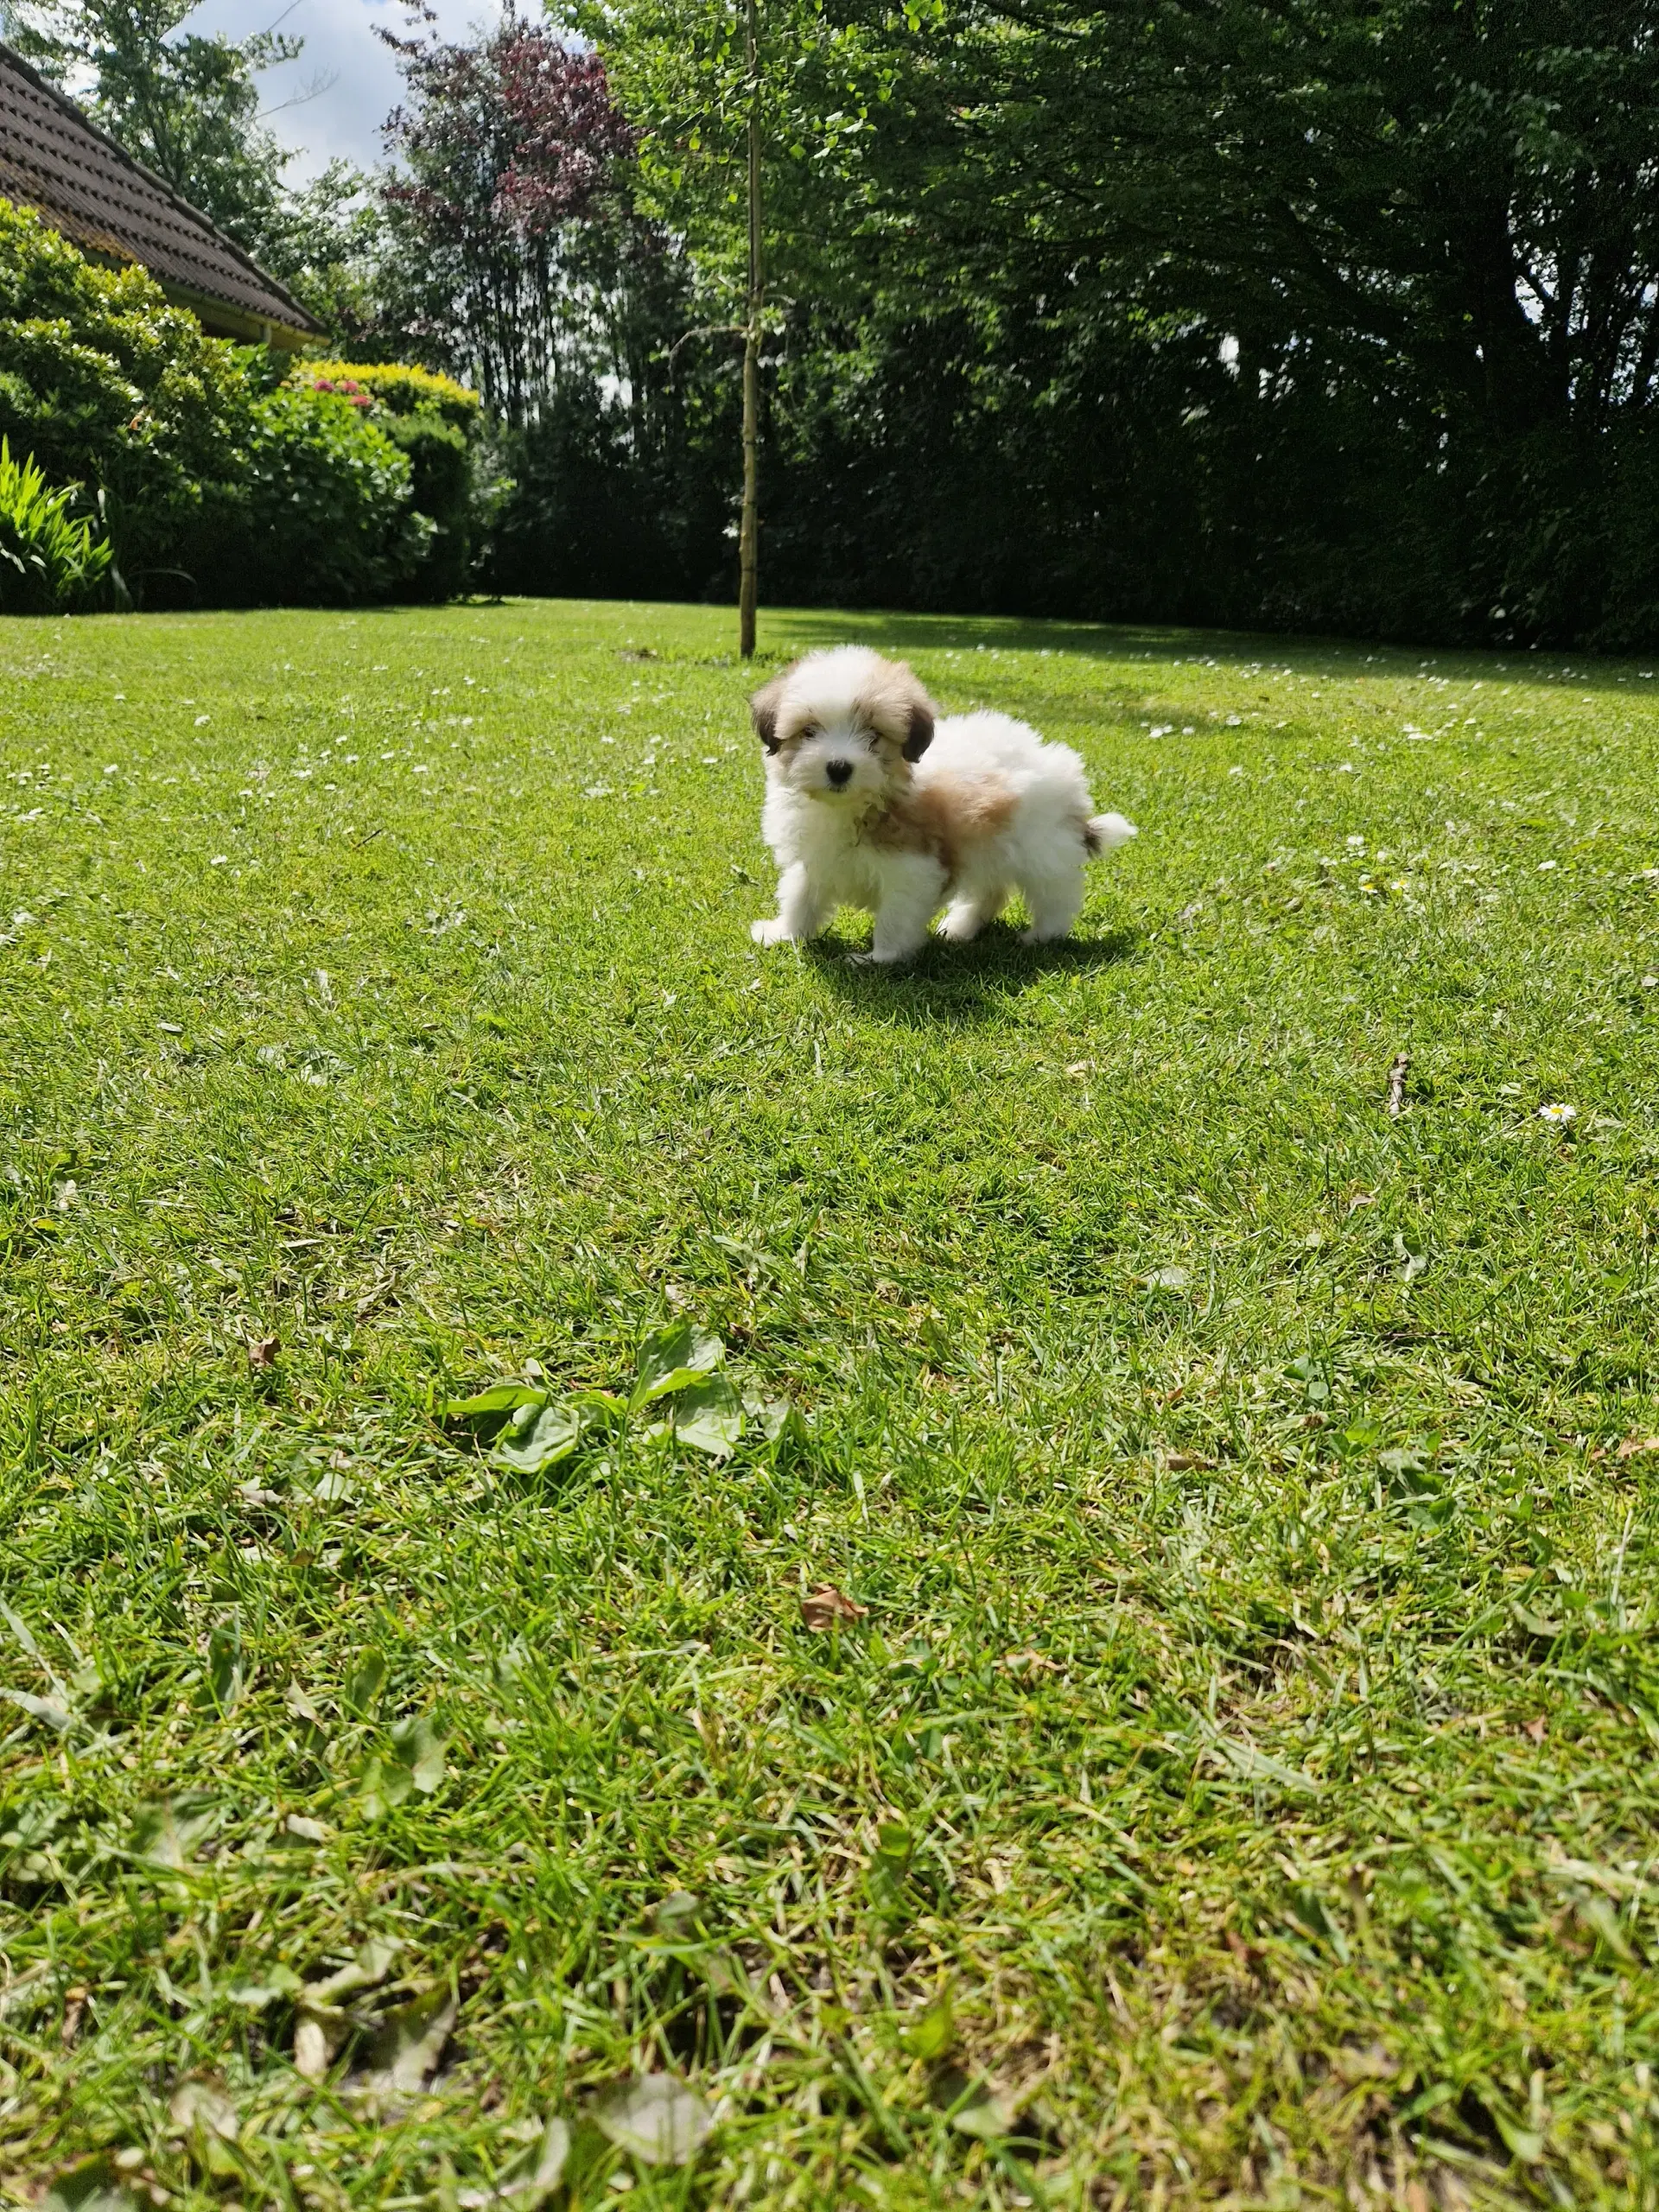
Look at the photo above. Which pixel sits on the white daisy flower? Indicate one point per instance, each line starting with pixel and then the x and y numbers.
pixel 1557 1114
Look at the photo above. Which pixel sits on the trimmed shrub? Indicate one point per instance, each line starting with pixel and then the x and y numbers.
pixel 104 383
pixel 325 504
pixel 225 479
pixel 400 390
pixel 50 560
pixel 441 462
pixel 436 422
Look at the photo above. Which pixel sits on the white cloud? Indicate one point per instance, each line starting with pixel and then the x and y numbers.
pixel 358 76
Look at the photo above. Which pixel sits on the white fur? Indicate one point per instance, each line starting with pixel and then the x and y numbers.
pixel 819 829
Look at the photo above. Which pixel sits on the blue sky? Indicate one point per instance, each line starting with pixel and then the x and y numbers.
pixel 360 77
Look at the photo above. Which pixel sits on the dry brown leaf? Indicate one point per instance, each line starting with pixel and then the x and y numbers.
pixel 1029 1662
pixel 1535 1729
pixel 1632 1445
pixel 74 2004
pixel 261 1353
pixel 314 2047
pixel 824 1607
pixel 201 2103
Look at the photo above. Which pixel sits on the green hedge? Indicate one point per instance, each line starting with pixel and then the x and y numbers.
pixel 227 476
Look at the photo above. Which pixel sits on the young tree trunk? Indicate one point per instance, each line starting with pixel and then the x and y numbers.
pixel 748 549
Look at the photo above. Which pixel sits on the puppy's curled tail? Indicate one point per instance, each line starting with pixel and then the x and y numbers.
pixel 1105 833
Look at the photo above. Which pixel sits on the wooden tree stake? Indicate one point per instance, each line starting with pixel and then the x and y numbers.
pixel 749 548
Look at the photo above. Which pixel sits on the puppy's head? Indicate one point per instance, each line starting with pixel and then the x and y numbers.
pixel 843 727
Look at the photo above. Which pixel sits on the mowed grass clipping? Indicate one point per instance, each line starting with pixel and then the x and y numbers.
pixel 1240 1781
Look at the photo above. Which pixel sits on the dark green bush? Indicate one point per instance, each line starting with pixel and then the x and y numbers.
pixel 224 480
pixel 440 456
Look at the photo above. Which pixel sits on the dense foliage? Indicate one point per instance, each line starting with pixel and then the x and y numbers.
pixel 1316 314
pixel 1336 314
pixel 224 476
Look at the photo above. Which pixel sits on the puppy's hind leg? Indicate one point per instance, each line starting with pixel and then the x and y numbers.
pixel 802 910
pixel 1054 897
pixel 964 918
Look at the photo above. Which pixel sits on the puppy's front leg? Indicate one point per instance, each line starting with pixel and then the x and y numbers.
pixel 912 890
pixel 801 912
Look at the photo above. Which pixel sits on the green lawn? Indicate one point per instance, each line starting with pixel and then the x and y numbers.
pixel 1241 1784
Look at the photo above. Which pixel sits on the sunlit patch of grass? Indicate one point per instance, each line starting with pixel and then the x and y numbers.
pixel 1237 1781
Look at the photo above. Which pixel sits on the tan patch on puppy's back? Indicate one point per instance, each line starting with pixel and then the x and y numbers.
pixel 946 816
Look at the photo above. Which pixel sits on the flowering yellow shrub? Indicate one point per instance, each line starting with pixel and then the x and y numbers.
pixel 398 389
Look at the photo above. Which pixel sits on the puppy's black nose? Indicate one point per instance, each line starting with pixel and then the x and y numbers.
pixel 839 771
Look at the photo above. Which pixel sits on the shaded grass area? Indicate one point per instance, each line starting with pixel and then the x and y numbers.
pixel 1239 1786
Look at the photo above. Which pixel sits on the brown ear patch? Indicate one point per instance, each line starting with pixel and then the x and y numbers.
pixel 763 708
pixel 921 729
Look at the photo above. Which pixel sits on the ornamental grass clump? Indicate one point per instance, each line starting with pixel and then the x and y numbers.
pixel 51 560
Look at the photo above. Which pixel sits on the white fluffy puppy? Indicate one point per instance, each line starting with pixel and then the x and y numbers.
pixel 872 801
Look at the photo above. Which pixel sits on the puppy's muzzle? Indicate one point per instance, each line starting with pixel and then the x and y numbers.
pixel 840 774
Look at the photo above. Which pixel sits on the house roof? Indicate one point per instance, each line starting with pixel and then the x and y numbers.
pixel 53 160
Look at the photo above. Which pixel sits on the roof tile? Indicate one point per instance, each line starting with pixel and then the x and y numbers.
pixel 53 159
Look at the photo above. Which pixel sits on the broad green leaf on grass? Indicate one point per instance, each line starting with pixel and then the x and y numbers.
pixel 410 2043
pixel 656 2118
pixel 93 2185
pixel 673 1359
pixel 365 1680
pixel 676 1914
pixel 982 2114
pixel 382 1785
pixel 971 2105
pixel 894 1843
pixel 535 2174
pixel 933 2034
pixel 167 1833
pixel 47 1710
pixel 1312 1912
pixel 366 1971
pixel 226 1680
pixel 776 1418
pixel 551 1435
pixel 709 1414
pixel 276 1981
pixel 494 1398
pixel 1524 2143
pixel 418 1745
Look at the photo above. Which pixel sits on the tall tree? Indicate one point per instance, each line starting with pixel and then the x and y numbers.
pixel 1455 199
pixel 509 197
pixel 747 109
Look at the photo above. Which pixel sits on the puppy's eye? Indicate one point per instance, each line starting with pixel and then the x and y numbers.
pixel 873 741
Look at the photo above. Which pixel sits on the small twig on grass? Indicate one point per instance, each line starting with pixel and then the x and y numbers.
pixel 1397 1075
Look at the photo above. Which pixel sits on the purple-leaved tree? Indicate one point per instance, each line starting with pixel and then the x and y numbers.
pixel 510 214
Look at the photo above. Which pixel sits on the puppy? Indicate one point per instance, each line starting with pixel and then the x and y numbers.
pixel 872 801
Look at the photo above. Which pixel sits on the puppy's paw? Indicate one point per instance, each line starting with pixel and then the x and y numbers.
pixel 773 930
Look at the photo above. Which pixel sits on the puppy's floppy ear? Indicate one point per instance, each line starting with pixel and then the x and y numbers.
pixel 921 727
pixel 764 706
